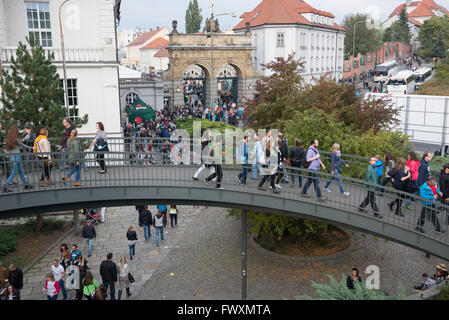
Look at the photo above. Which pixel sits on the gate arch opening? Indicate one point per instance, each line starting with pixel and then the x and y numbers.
pixel 195 85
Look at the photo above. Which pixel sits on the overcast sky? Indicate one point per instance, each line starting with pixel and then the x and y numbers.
pixel 160 13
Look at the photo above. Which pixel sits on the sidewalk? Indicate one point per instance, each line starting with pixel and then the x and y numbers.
pixel 111 237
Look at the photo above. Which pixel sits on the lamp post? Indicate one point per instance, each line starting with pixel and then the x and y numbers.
pixel 353 36
pixel 66 98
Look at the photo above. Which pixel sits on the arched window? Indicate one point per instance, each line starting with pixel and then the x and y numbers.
pixel 131 97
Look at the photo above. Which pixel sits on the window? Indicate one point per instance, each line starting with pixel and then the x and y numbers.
pixel 38 17
pixel 72 97
pixel 280 39
pixel 131 97
pixel 303 40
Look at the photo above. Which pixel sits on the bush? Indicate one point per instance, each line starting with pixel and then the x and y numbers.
pixel 187 124
pixel 7 240
pixel 48 225
pixel 444 294
pixel 335 290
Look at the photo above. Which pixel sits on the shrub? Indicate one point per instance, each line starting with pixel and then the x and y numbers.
pixel 48 225
pixel 7 241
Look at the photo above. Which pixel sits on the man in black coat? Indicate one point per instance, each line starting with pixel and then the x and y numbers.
pixel 15 277
pixel 108 272
pixel 444 183
pixel 145 221
pixel 424 169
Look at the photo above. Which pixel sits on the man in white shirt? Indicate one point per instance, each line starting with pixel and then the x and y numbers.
pixel 59 274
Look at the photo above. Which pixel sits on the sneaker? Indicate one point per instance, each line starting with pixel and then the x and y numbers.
pixel 238 179
pixel 408 207
pixel 261 189
pixel 362 210
pixel 5 189
pixel 305 195
pixel 327 190
pixel 196 179
pixel 346 194
pixel 78 184
pixel 322 198
pixel 220 188
pixel 278 186
pixel 64 179
pixel 377 215
pixel 419 229
pixel 275 191
pixel 28 187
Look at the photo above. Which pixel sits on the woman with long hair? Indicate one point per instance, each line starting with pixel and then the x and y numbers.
pixel 123 278
pixel 336 162
pixel 90 286
pixel 390 163
pixel 412 186
pixel 74 157
pixel 268 169
pixel 42 148
pixel 400 176
pixel 51 287
pixel 100 145
pixel 10 293
pixel 13 144
pixel 132 239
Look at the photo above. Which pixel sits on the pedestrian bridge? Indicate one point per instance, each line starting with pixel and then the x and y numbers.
pixel 140 184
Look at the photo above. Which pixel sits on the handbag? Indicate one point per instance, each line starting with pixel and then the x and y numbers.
pixel 131 278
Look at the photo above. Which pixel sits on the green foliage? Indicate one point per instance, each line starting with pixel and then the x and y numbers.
pixel 434 37
pixel 187 124
pixel 439 85
pixel 48 225
pixel 278 95
pixel 444 294
pixel 335 290
pixel 32 92
pixel 399 31
pixel 7 240
pixel 318 124
pixel 366 40
pixel 280 226
pixel 193 17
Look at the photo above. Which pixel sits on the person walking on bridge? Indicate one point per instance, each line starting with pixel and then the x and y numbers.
pixel 269 163
pixel 313 157
pixel 371 177
pixel 336 162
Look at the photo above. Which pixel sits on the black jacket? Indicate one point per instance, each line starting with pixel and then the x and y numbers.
pixel 284 149
pixel 131 235
pixel 89 232
pixel 423 172
pixel 145 218
pixel 296 154
pixel 16 278
pixel 350 282
pixel 444 184
pixel 108 271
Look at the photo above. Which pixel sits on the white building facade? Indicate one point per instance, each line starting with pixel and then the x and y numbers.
pixel 90 51
pixel 312 35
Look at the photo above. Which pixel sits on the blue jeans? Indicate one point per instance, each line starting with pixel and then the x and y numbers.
pixel 256 167
pixel 111 286
pixel 284 171
pixel 63 159
pixel 16 169
pixel 313 177
pixel 161 231
pixel 76 169
pixel 296 172
pixel 146 232
pixel 90 244
pixel 244 174
pixel 55 297
pixel 336 176
pixel 132 250
pixel 64 292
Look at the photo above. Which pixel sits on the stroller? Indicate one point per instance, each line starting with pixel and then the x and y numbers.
pixel 92 215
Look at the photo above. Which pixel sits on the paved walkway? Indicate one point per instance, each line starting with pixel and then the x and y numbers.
pixel 201 259
pixel 111 237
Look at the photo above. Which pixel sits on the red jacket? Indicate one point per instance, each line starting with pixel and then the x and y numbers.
pixel 413 166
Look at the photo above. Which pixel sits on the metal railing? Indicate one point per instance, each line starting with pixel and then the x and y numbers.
pixel 130 169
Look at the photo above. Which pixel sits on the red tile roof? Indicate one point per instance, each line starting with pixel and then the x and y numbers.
pixel 144 37
pixel 163 53
pixel 423 9
pixel 283 12
pixel 159 43
pixel 415 22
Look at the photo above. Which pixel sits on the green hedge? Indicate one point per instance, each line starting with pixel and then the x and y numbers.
pixel 7 240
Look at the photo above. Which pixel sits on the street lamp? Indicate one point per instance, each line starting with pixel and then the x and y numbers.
pixel 66 98
pixel 353 35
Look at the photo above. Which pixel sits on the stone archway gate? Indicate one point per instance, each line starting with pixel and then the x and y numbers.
pixel 211 51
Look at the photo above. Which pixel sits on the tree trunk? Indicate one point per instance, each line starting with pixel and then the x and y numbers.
pixel 38 223
pixel 76 221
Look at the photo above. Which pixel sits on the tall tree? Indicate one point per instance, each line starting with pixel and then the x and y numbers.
pixel 439 49
pixel 193 17
pixel 366 39
pixel 401 30
pixel 32 91
pixel 433 31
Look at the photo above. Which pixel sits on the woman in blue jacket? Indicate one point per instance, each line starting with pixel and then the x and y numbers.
pixel 336 162
pixel 429 190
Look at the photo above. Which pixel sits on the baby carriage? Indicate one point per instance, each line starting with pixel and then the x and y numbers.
pixel 92 215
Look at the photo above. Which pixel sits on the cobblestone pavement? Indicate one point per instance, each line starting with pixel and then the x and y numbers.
pixel 111 237
pixel 206 264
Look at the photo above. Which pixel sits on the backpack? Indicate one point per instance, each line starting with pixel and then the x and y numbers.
pixel 305 163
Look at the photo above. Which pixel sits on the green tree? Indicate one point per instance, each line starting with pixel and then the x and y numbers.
pixel 32 92
pixel 434 37
pixel 277 95
pixel 400 30
pixel 335 290
pixel 366 40
pixel 388 35
pixel 193 17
